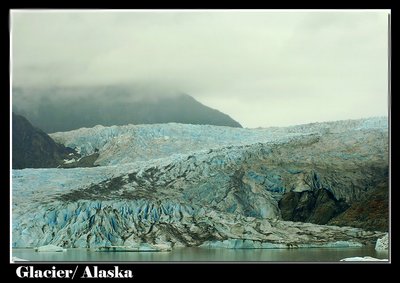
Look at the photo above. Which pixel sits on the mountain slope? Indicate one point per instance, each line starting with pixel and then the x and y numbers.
pixel 371 212
pixel 32 148
pixel 67 109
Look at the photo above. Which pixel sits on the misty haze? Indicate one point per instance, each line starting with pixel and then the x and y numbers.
pixel 204 135
pixel 55 110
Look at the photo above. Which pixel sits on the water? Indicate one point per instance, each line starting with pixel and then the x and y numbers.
pixel 203 255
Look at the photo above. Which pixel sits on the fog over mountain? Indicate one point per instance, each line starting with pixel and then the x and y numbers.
pixel 263 68
pixel 69 108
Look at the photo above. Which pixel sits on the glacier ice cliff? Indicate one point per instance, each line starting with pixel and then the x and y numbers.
pixel 50 248
pixel 382 244
pixel 198 185
pixel 14 259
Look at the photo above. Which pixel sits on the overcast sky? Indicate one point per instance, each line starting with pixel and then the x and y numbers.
pixel 263 68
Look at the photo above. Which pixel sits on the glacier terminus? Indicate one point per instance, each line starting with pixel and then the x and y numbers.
pixel 181 185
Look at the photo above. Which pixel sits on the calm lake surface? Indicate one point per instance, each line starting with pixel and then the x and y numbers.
pixel 204 255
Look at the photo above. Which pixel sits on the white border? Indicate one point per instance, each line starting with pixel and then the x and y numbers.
pixel 10 106
pixel 166 10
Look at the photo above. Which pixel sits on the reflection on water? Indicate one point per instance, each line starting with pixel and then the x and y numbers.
pixel 203 254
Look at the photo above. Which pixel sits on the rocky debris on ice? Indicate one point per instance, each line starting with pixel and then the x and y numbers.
pixel 365 258
pixel 50 248
pixel 382 244
pixel 142 247
pixel 257 244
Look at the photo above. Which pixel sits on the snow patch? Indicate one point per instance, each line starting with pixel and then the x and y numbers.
pixel 365 258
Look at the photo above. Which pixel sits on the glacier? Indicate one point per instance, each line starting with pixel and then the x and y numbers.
pixel 382 244
pixel 50 248
pixel 129 143
pixel 198 185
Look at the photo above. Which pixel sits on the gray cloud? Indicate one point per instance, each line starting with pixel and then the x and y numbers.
pixel 263 68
